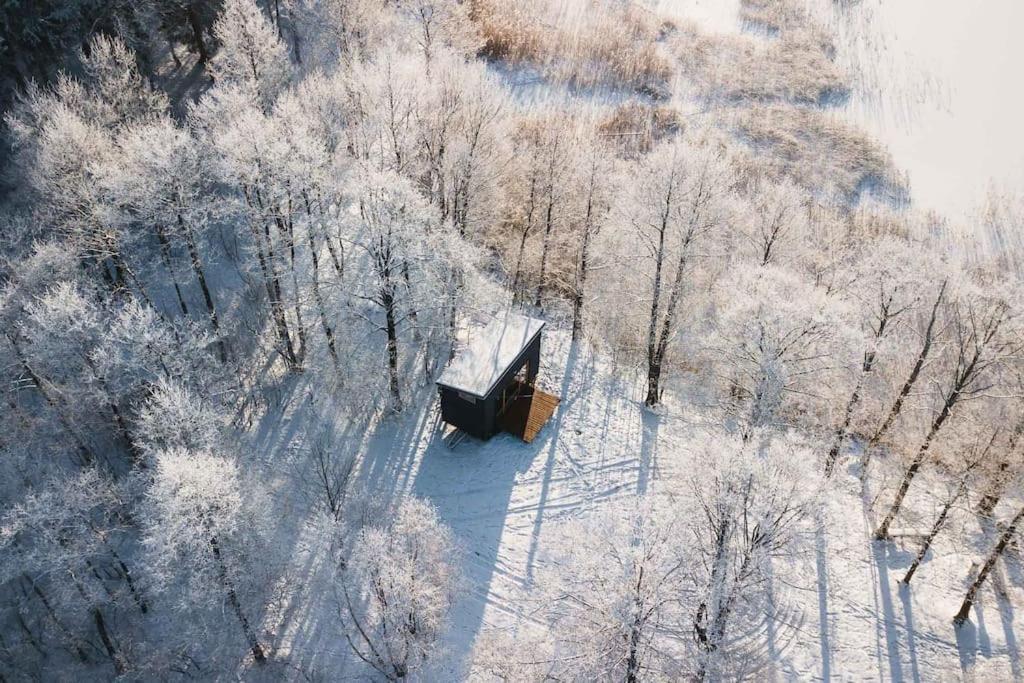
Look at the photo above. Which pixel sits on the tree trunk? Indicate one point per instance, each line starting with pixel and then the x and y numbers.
pixel 197 268
pixel 88 457
pixel 197 34
pixel 581 272
pixel 272 284
pixel 531 204
pixel 392 331
pixel 318 297
pixel 908 476
pixel 914 373
pixel 548 224
pixel 936 528
pixel 869 361
pixel 285 224
pixel 250 635
pixel 997 551
pixel 53 616
pixel 165 253
pixel 108 644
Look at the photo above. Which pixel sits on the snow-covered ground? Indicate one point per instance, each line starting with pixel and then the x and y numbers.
pixel 937 81
pixel 839 609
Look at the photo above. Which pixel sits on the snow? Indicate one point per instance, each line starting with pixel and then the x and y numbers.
pixel 840 610
pixel 719 16
pixel 936 82
pixel 477 368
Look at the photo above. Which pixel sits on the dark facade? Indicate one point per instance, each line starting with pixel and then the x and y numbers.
pixel 478 416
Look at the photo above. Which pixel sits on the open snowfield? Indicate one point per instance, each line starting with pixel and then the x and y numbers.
pixel 935 81
pixel 839 610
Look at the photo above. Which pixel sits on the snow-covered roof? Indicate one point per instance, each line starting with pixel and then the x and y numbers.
pixel 478 367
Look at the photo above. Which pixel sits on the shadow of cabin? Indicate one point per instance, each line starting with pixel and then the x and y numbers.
pixel 490 385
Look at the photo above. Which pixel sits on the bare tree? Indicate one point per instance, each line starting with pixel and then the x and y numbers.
pixel 979 345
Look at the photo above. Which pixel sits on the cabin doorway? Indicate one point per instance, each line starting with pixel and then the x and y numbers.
pixel 515 389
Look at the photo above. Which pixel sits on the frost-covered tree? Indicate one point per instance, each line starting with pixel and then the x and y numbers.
pixel 747 509
pixel 779 338
pixel 678 201
pixel 202 535
pixel 773 221
pixel 438 24
pixel 251 53
pixel 886 286
pixel 345 30
pixel 983 337
pixel 66 536
pixel 175 417
pixel 399 584
pixel 158 179
pixel 407 268
pixel 610 596
pixel 597 185
pixel 253 155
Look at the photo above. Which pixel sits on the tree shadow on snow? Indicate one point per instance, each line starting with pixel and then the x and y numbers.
pixel 471 487
pixel 883 589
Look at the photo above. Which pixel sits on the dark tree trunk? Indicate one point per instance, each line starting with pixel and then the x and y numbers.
pixel 88 457
pixel 548 225
pixel 108 643
pixel 200 273
pixel 997 551
pixel 76 644
pixel 581 277
pixel 197 34
pixel 392 332
pixel 936 528
pixel 914 373
pixel 250 635
pixel 265 256
pixel 318 297
pixel 165 252
pixel 915 465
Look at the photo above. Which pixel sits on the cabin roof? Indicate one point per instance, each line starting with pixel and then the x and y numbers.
pixel 490 353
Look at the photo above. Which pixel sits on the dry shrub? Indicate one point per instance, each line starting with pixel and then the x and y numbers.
pixel 511 30
pixel 820 152
pixel 635 127
pixel 774 15
pixel 586 43
pixel 792 67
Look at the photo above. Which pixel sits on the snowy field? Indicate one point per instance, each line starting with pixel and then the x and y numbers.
pixel 935 81
pixel 838 612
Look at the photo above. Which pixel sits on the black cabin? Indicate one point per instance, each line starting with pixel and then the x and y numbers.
pixel 495 369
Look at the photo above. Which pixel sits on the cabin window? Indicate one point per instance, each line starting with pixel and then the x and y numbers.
pixel 467 397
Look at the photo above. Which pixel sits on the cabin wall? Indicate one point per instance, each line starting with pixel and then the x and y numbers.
pixel 470 417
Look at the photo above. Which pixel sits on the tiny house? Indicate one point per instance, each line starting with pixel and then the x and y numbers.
pixel 490 385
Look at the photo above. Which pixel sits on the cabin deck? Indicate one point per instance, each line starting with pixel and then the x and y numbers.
pixel 527 413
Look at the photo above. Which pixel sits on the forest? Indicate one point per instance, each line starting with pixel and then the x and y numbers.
pixel 241 239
